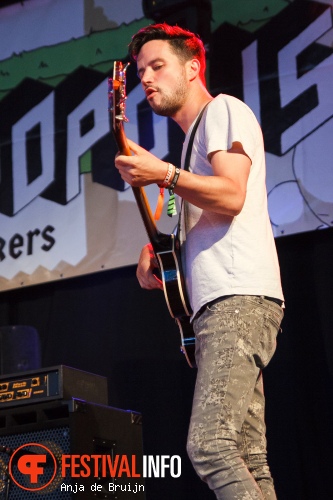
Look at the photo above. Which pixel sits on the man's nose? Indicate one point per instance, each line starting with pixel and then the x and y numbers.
pixel 147 77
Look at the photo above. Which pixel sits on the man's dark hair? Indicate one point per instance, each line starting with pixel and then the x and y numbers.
pixel 184 43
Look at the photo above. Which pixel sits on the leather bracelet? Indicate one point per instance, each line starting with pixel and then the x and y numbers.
pixel 175 179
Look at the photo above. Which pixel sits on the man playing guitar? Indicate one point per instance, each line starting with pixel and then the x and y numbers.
pixel 230 262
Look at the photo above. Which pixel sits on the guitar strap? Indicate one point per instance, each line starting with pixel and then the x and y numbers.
pixel 190 142
pixel 187 167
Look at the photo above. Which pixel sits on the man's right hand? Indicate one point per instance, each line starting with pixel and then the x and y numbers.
pixel 145 270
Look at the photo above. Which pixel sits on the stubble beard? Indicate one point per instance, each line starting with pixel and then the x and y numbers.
pixel 171 102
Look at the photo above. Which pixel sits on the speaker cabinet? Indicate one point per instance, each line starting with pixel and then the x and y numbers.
pixel 73 428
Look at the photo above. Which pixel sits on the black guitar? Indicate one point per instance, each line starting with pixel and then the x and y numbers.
pixel 166 246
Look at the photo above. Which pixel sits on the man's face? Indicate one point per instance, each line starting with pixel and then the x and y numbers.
pixel 163 77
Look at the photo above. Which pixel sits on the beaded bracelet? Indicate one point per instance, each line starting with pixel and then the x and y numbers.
pixel 168 175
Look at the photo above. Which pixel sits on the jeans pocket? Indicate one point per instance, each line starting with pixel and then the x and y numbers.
pixel 267 337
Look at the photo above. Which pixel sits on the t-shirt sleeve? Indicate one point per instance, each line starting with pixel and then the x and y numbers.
pixel 230 120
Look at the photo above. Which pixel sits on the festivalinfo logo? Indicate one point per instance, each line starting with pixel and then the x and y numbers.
pixel 34 467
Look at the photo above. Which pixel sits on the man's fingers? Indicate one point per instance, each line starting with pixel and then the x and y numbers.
pixel 158 281
pixel 151 283
pixel 148 280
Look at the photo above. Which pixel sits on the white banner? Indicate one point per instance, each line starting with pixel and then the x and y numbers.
pixel 64 211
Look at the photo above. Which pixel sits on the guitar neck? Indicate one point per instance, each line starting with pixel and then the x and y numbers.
pixel 153 233
pixel 158 240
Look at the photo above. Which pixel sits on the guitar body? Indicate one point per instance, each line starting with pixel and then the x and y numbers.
pixel 166 246
pixel 171 272
pixel 176 297
pixel 187 339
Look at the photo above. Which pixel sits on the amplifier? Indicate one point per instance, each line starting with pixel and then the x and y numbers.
pixel 47 384
pixel 77 429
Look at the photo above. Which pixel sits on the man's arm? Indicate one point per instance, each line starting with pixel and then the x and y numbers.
pixel 224 192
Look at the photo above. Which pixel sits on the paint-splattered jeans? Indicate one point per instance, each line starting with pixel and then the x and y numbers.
pixel 235 339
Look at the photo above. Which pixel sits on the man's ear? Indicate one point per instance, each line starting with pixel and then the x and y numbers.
pixel 194 67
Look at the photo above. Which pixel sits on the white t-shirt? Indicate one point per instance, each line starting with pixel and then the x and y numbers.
pixel 227 255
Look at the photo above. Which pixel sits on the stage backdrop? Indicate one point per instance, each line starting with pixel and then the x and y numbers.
pixel 64 211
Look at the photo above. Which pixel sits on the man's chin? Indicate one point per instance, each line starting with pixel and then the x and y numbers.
pixel 158 111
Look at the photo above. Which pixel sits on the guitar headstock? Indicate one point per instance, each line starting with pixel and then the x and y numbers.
pixel 117 93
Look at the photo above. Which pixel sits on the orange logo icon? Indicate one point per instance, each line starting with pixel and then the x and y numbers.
pixel 32 466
